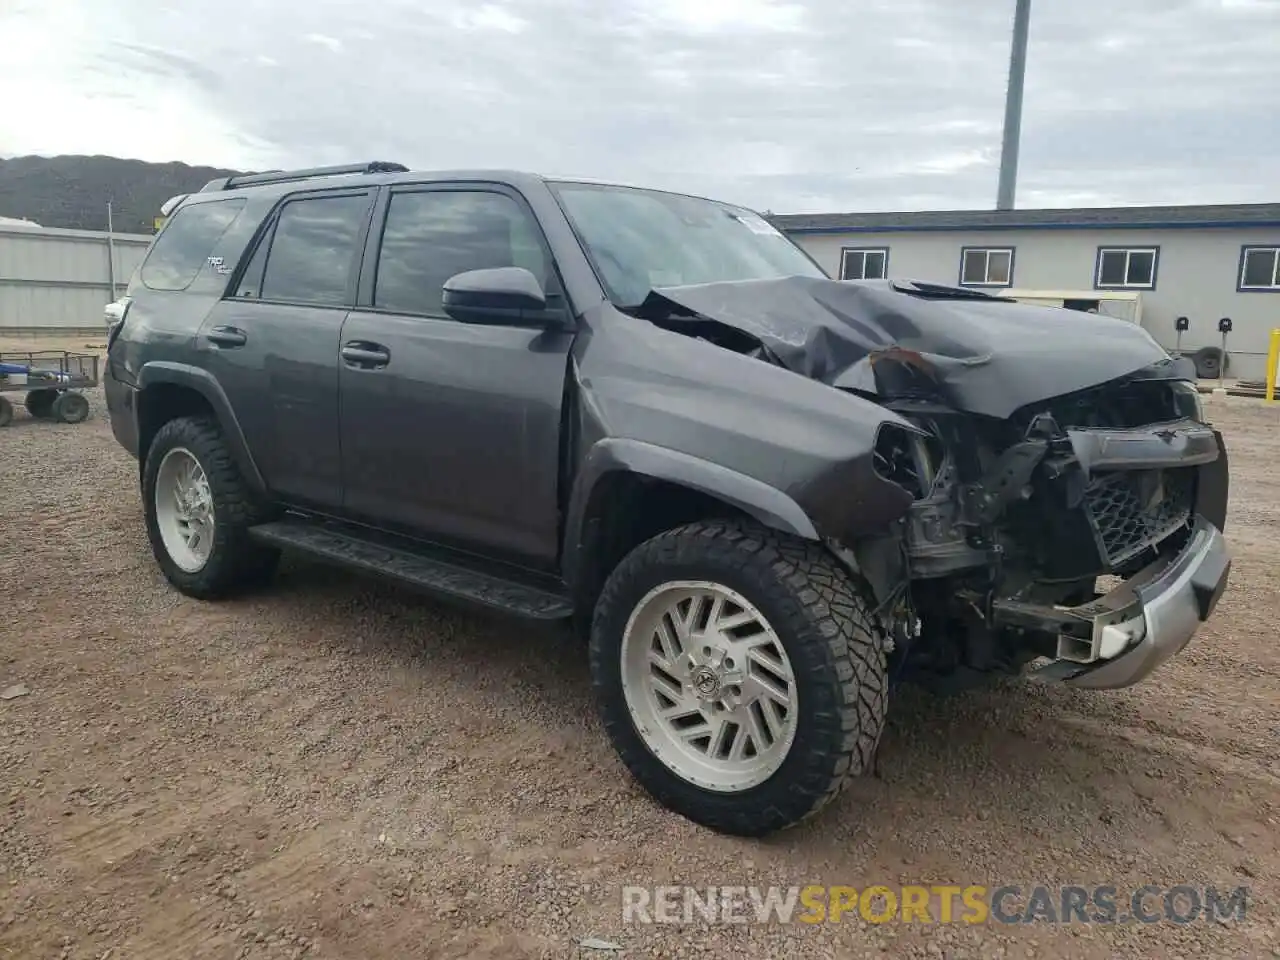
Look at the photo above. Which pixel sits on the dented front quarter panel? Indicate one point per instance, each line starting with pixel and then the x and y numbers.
pixel 793 452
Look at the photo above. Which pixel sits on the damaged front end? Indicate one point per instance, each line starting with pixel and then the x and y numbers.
pixel 1085 530
pixel 1067 496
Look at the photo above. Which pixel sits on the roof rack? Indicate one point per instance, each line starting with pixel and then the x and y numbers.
pixel 285 176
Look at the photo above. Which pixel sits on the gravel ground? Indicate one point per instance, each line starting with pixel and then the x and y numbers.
pixel 336 768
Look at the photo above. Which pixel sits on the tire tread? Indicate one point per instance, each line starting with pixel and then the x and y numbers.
pixel 237 562
pixel 821 606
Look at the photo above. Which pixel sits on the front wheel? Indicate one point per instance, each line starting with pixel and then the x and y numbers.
pixel 740 674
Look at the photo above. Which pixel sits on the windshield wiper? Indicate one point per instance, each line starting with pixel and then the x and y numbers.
pixel 940 291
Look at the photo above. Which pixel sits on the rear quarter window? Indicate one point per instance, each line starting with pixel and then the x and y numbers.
pixel 185 243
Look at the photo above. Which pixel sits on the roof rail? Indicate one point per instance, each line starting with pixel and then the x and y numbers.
pixel 285 176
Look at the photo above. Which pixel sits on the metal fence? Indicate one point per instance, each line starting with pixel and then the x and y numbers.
pixel 58 281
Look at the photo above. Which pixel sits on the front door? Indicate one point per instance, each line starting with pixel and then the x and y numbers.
pixel 451 431
pixel 272 345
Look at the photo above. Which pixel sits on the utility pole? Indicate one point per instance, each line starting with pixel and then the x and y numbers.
pixel 1013 107
pixel 111 253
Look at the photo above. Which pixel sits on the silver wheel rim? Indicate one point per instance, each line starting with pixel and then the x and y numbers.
pixel 708 685
pixel 184 509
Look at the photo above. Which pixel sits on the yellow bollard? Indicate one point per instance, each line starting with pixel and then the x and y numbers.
pixel 1273 355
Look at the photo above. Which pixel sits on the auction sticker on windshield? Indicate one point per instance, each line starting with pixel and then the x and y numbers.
pixel 758 225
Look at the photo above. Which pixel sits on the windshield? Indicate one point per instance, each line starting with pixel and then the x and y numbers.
pixel 642 239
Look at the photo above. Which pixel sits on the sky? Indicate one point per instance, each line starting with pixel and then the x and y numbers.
pixel 795 106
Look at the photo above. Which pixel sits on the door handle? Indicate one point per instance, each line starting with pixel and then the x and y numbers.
pixel 367 356
pixel 227 336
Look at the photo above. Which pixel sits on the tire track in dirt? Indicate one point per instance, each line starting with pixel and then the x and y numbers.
pixel 1198 751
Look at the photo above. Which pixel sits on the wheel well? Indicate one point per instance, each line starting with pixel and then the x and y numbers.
pixel 159 404
pixel 624 511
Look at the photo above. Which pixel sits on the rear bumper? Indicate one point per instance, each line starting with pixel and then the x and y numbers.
pixel 122 408
pixel 1118 639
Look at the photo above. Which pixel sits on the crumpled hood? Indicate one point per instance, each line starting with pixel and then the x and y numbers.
pixel 985 355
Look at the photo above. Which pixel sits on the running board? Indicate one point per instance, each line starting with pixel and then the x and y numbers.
pixel 333 544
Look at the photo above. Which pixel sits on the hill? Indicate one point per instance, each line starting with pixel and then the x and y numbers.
pixel 72 191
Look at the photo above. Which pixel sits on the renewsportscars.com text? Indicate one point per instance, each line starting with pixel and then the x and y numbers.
pixel 973 904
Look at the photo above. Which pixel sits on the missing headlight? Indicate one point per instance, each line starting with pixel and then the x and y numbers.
pixel 908 459
pixel 1186 400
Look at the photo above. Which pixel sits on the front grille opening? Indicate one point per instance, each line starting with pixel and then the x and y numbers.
pixel 1136 403
pixel 1133 511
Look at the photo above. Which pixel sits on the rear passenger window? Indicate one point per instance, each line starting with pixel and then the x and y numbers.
pixel 185 243
pixel 431 236
pixel 313 250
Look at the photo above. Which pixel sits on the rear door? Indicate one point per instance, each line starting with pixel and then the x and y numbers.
pixel 454 434
pixel 273 342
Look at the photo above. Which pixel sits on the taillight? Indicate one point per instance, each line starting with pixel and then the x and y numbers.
pixel 115 314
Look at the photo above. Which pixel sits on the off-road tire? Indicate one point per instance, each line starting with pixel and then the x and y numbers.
pixel 236 562
pixel 836 647
pixel 39 403
pixel 6 412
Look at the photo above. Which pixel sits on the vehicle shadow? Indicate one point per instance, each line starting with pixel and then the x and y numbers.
pixel 24 421
pixel 982 761
pixel 1006 761
pixel 421 628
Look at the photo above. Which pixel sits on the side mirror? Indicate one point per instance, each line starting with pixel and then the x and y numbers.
pixel 503 295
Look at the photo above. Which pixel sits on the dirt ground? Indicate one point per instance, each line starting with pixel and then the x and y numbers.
pixel 339 769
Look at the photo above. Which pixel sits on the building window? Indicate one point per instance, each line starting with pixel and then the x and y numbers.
pixel 1126 268
pixel 863 264
pixel 1260 268
pixel 986 267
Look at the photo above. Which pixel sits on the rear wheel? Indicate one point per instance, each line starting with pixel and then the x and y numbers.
pixel 740 674
pixel 39 403
pixel 6 412
pixel 70 407
pixel 199 511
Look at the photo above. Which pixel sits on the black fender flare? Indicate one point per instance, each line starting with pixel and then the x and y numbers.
pixel 202 382
pixel 769 505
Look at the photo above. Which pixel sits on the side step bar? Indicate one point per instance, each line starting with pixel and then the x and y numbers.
pixel 333 544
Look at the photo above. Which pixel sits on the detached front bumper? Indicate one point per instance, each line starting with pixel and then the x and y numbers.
pixel 1174 602
pixel 1118 639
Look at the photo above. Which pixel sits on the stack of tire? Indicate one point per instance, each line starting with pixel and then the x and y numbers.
pixel 1211 363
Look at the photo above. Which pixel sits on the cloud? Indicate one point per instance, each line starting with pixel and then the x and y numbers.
pixel 490 17
pixel 728 16
pixel 90 86
pixel 332 44
pixel 790 105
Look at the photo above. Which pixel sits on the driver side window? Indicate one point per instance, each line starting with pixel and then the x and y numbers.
pixel 432 235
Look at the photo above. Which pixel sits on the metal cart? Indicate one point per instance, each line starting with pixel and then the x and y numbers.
pixel 52 381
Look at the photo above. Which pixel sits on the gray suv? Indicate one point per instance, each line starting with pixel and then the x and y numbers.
pixel 764 497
